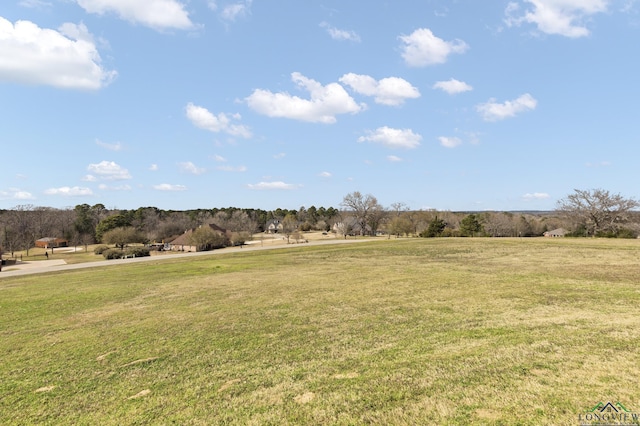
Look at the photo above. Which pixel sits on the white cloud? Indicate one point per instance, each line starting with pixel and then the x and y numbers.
pixel 337 34
pixel 153 167
pixel 449 142
pixel 105 187
pixel 325 103
pixel 272 186
pixel 16 194
pixel 110 146
pixel 388 91
pixel 393 138
pixel 493 111
pixel 325 174
pixel 234 11
pixel 189 167
pixel 232 168
pixel 279 155
pixel 23 195
pixel 157 14
pixel 422 48
pixel 169 187
pixel 453 86
pixel 219 158
pixel 35 4
pixel 561 17
pixel 394 159
pixel 109 170
pixel 66 58
pixel 536 196
pixel 66 191
pixel 202 118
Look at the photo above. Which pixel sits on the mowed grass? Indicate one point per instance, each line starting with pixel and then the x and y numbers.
pixel 414 331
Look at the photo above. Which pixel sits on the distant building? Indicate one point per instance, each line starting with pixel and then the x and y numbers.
pixel 183 242
pixel 350 226
pixel 50 242
pixel 273 226
pixel 560 232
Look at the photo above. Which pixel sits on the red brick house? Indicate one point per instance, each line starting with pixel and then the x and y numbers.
pixel 51 243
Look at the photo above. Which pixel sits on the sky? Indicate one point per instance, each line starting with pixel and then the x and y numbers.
pixel 460 105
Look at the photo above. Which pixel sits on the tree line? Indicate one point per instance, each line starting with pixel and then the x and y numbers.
pixel 583 213
pixel 86 224
pixel 589 213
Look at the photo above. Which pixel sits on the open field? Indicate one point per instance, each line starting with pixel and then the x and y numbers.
pixel 413 331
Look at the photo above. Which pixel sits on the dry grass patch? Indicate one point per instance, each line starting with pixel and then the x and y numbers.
pixel 140 394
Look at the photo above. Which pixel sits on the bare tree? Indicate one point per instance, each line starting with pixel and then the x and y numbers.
pixel 499 224
pixel 400 225
pixel 399 208
pixel 345 226
pixel 10 237
pixel 597 210
pixel 377 218
pixel 366 210
pixel 25 224
pixel 289 225
pixel 240 238
pixel 175 223
pixel 147 221
pixel 240 221
pixel 64 223
pixel 21 228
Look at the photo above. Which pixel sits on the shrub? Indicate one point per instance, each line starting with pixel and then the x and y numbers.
pixel 137 251
pixel 113 254
pixel 239 238
pixel 100 249
pixel 607 234
pixel 449 232
pixel 305 227
pixel 626 233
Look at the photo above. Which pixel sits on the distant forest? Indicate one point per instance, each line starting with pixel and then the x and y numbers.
pixel 595 213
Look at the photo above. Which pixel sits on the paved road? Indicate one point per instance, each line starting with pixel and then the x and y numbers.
pixel 44 266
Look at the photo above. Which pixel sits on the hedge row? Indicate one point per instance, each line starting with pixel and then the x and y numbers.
pixel 113 253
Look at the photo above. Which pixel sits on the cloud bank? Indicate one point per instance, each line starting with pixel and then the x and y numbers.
pixel 324 104
pixel 156 14
pixel 66 58
pixel 559 17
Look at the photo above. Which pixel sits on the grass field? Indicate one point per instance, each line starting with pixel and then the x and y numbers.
pixel 412 331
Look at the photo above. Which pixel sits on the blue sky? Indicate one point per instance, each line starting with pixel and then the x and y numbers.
pixel 183 104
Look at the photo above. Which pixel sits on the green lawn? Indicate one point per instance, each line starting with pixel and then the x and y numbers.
pixel 411 331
